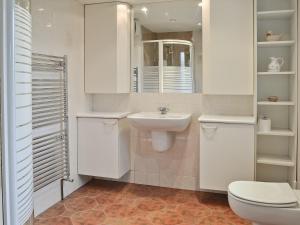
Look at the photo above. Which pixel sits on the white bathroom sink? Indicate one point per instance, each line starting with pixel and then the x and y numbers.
pixel 155 121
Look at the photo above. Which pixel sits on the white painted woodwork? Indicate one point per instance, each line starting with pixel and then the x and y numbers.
pixel 226 154
pixel 276 160
pixel 280 103
pixel 275 14
pixel 103 147
pixel 275 73
pixel 277 149
pixel 277 132
pixel 228 53
pixel 107 48
pixel 265 44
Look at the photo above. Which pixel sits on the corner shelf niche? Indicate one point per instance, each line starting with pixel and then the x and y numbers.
pixel 276 154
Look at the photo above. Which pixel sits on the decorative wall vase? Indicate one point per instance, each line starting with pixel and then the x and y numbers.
pixel 276 64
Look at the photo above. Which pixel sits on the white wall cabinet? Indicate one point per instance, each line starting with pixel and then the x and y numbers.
pixel 107 48
pixel 227 154
pixel 103 147
pixel 228 40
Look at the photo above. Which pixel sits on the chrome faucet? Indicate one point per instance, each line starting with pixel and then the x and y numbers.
pixel 163 110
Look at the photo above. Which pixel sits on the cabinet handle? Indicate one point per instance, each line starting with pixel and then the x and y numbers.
pixel 206 127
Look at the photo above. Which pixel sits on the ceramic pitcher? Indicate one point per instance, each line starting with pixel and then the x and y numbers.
pixel 276 64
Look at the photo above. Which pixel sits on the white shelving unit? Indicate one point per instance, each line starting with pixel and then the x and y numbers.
pixel 276 156
pixel 275 73
pixel 277 132
pixel 275 14
pixel 275 43
pixel 277 160
pixel 280 103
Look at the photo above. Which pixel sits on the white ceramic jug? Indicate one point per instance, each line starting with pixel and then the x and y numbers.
pixel 276 64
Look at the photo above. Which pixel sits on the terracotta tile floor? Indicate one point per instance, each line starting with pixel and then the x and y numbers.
pixel 113 203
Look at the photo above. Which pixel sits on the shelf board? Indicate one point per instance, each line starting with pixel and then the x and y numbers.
pixel 266 44
pixel 277 14
pixel 276 160
pixel 276 73
pixel 280 103
pixel 277 132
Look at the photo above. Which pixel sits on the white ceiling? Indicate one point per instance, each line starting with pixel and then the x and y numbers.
pixel 127 1
pixel 187 14
pixel 172 16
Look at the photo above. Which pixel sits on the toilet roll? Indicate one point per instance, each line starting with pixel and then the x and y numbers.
pixel 264 124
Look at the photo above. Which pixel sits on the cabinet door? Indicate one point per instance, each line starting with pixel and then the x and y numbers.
pixel 98 147
pixel 100 48
pixel 107 48
pixel 226 155
pixel 228 47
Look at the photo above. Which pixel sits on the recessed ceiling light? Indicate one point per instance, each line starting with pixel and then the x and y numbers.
pixel 199 24
pixel 49 25
pixel 41 9
pixel 144 10
pixel 172 20
pixel 200 4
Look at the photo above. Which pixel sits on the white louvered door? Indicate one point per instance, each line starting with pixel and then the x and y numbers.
pixel 16 110
pixel 23 171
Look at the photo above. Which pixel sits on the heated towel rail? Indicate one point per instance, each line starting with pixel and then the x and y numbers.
pixel 49 120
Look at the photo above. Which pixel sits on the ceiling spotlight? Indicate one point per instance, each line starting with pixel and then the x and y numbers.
pixel 48 25
pixel 144 10
pixel 199 24
pixel 200 4
pixel 41 9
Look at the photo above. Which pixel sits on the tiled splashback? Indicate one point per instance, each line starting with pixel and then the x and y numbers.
pixel 178 167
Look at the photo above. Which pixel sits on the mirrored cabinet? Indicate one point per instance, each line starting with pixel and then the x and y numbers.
pixel 167 47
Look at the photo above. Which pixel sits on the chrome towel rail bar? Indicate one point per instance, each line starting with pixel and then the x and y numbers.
pixel 49 111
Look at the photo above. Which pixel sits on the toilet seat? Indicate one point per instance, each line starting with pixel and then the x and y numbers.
pixel 276 195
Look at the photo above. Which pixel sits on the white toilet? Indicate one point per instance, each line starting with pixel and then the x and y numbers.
pixel 265 203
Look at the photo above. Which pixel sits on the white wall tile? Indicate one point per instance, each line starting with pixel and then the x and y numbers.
pixel 59 30
pixel 152 179
pixel 177 167
pixel 140 177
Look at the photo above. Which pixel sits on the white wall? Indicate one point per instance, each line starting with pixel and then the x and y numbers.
pixel 178 167
pixel 59 30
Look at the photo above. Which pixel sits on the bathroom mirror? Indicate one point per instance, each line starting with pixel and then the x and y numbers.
pixel 167 47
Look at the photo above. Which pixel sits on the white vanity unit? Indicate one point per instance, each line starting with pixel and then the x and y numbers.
pixel 103 144
pixel 227 151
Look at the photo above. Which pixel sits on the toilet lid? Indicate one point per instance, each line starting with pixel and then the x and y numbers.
pixel 264 193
